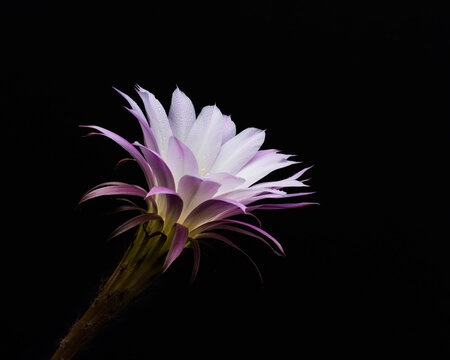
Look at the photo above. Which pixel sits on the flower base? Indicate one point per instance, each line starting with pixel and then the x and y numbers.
pixel 140 265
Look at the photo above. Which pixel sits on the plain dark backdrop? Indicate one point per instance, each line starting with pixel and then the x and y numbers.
pixel 359 90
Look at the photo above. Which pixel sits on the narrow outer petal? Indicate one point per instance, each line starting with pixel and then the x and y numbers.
pixel 195 191
pixel 223 226
pixel 132 190
pixel 169 204
pixel 149 138
pixel 209 210
pixel 178 242
pixel 158 119
pixel 243 194
pixel 280 206
pixel 113 183
pixel 261 231
pixel 134 106
pixel 280 184
pixel 148 173
pixel 161 171
pixel 233 245
pixel 181 160
pixel 291 181
pixel 196 252
pixel 281 196
pixel 137 220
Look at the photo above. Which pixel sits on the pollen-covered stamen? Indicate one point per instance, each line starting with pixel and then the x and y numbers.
pixel 204 173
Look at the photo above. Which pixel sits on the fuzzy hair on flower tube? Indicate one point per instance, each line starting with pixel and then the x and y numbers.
pixel 199 174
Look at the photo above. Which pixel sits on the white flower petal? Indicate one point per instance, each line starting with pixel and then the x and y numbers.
pixel 149 138
pixel 246 195
pixel 229 129
pixel 157 117
pixel 134 106
pixel 211 210
pixel 280 184
pixel 227 182
pixel 237 151
pixel 194 191
pixel 205 137
pixel 262 164
pixel 181 160
pixel 181 114
pixel 242 194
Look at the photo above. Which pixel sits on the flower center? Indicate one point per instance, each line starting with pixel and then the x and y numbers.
pixel 203 172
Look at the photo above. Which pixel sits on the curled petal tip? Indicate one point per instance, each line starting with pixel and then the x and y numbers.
pixel 90 134
pixel 160 190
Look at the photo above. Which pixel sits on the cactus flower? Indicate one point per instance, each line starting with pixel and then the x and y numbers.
pixel 199 174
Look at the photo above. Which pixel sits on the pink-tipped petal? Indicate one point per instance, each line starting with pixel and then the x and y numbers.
pixel 134 106
pixel 169 204
pixel 213 225
pixel 137 220
pixel 245 232
pixel 181 160
pixel 179 240
pixel 280 196
pixel 157 116
pixel 132 206
pixel 112 183
pixel 300 173
pixel 148 173
pixel 128 208
pixel 196 253
pixel 149 137
pixel 237 211
pixel 230 243
pixel 209 210
pixel 132 190
pixel 261 231
pixel 194 191
pixel 161 171
pixel 122 162
pixel 160 190
pixel 280 206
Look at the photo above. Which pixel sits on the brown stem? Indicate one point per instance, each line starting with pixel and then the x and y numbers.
pixel 102 309
pixel 138 267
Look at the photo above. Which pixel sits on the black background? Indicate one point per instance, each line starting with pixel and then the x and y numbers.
pixel 360 91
